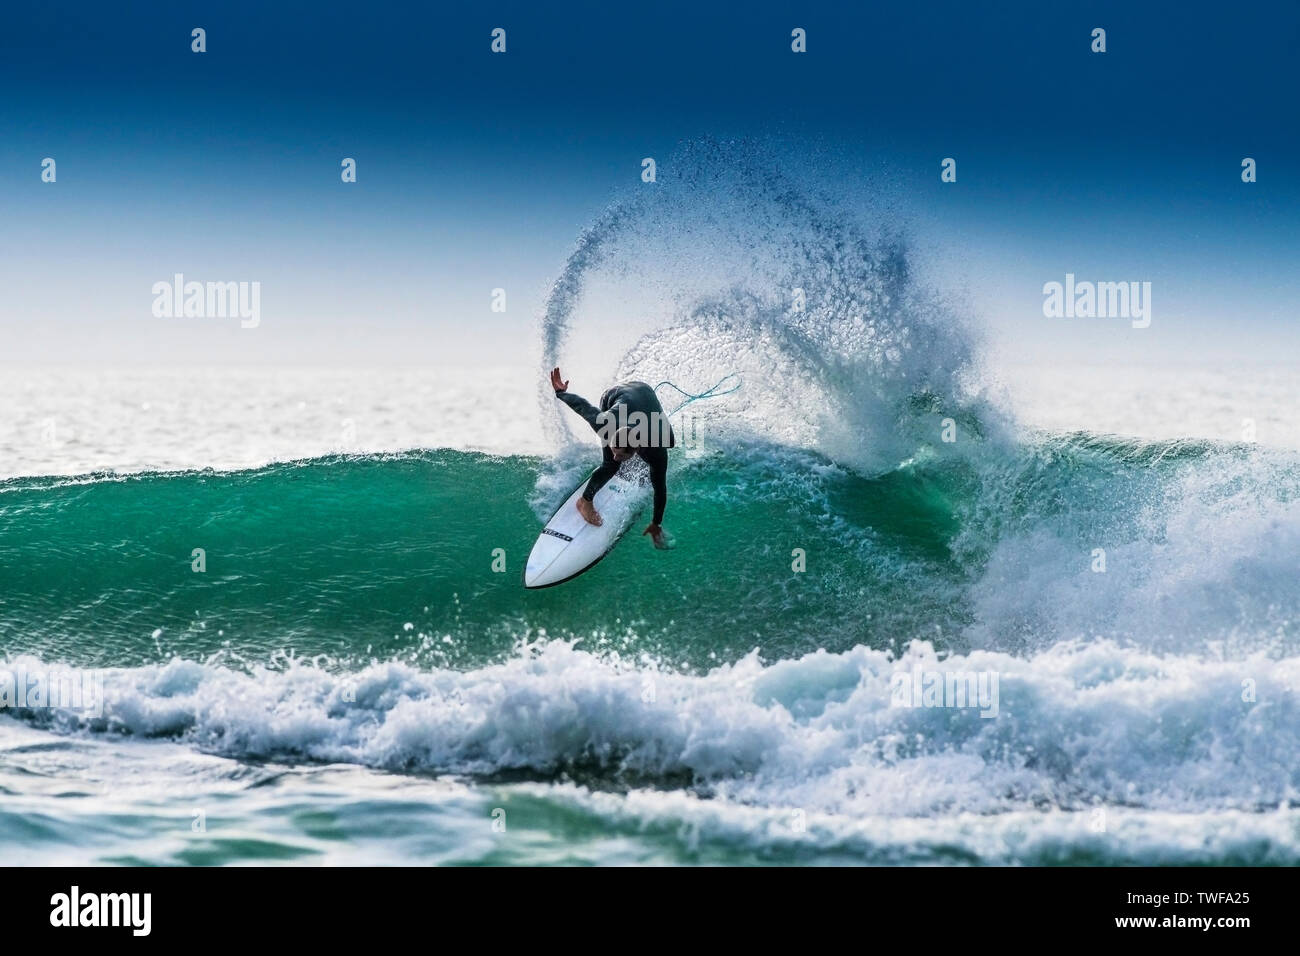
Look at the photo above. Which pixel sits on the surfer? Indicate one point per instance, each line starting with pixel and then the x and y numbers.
pixel 630 421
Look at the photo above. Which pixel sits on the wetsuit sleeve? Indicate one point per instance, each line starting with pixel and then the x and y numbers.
pixel 583 407
pixel 607 470
pixel 657 459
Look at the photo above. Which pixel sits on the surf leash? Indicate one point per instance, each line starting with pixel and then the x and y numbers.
pixel 707 393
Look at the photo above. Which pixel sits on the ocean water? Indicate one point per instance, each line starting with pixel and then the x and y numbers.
pixel 352 678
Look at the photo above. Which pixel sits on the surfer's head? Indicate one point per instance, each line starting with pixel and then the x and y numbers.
pixel 614 431
pixel 622 444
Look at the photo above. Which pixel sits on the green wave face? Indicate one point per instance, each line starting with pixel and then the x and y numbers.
pixel 393 557
pixel 362 559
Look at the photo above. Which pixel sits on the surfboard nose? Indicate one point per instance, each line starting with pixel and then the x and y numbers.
pixel 531 573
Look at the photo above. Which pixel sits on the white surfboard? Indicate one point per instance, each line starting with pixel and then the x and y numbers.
pixel 568 545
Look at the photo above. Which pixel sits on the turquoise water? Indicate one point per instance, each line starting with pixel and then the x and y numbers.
pixel 392 557
pixel 362 559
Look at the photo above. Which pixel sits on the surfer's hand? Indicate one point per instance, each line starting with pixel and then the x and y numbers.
pixel 556 382
pixel 658 536
pixel 589 512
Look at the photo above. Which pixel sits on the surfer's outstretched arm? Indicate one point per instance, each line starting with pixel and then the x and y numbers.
pixel 579 404
pixel 583 407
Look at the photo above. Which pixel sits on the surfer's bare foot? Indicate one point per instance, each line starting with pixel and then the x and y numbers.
pixel 588 511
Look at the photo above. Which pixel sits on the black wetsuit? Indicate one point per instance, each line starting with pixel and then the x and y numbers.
pixel 634 397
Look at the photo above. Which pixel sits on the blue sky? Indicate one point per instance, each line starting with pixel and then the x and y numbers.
pixel 478 170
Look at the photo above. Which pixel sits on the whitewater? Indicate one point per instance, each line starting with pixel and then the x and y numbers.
pixel 349 680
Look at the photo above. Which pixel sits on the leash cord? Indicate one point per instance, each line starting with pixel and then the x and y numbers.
pixel 707 393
